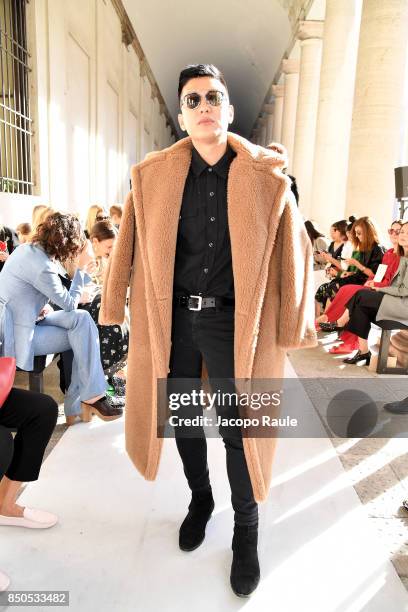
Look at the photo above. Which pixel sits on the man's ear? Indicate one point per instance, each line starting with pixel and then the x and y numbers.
pixel 231 114
pixel 181 122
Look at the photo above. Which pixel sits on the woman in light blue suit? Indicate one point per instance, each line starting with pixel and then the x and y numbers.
pixel 29 326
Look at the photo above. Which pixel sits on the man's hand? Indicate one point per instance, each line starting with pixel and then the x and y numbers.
pixel 4 255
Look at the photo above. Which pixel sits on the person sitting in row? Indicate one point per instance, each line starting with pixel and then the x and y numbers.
pixel 30 327
pixel 319 242
pixel 8 242
pixel 23 231
pixel 331 257
pixel 95 213
pixel 379 304
pixel 113 339
pixel 34 416
pixel 115 213
pixel 336 316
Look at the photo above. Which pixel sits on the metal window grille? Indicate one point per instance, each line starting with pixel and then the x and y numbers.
pixel 15 118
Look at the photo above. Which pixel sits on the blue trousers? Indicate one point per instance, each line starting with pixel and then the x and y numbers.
pixel 61 331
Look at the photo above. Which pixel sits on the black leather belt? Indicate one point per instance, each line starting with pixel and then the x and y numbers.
pixel 197 302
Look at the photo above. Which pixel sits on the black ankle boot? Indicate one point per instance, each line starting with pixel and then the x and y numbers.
pixel 245 573
pixel 192 529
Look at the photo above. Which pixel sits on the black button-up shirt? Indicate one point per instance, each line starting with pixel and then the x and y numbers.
pixel 203 264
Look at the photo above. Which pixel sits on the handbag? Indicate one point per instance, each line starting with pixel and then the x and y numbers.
pixel 7 374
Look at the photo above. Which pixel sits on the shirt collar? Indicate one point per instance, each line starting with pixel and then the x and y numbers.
pixel 198 164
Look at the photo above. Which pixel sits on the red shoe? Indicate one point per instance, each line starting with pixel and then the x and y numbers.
pixel 342 349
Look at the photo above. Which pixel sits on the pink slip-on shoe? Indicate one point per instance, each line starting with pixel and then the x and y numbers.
pixel 32 519
pixel 4 581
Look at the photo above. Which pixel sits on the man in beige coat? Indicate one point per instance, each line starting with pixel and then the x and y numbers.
pixel 220 272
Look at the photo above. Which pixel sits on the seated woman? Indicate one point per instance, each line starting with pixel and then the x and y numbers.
pixel 382 303
pixel 95 213
pixel 336 315
pixel 33 416
pixel 29 327
pixel 113 339
pixel 331 257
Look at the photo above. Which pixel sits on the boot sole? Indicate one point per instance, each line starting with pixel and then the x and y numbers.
pixel 194 547
pixel 244 595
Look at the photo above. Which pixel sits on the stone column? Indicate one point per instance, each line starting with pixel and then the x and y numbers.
pixel 256 136
pixel 278 92
pixel 262 140
pixel 268 108
pixel 380 96
pixel 310 34
pixel 290 68
pixel 337 79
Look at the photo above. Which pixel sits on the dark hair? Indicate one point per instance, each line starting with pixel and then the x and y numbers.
pixel 192 71
pixel 60 235
pixel 351 219
pixel 341 227
pixel 313 233
pixel 400 250
pixel 103 230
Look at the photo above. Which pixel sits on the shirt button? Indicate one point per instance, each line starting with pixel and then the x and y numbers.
pixel 205 270
pixel 212 218
pixel 210 244
pixel 209 169
pixel 211 194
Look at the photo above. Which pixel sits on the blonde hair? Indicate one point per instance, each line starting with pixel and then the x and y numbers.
pixel 36 212
pixel 41 214
pixel 93 211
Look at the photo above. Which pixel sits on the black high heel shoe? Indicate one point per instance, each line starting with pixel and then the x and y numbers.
pixel 359 356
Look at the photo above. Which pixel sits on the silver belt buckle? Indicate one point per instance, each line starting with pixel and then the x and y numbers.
pixel 200 301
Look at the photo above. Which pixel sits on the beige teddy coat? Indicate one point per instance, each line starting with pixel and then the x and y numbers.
pixel 272 267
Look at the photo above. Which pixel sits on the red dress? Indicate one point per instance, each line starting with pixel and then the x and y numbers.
pixel 345 293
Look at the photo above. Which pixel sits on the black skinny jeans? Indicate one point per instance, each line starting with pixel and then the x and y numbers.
pixel 34 416
pixel 209 334
pixel 363 308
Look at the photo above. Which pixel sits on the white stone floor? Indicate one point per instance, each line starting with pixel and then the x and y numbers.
pixel 115 548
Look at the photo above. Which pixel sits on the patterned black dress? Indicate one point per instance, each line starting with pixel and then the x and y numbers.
pixel 327 291
pixel 113 340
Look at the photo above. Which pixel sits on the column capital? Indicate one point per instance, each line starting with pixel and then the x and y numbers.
pixel 310 29
pixel 290 66
pixel 278 91
pixel 268 108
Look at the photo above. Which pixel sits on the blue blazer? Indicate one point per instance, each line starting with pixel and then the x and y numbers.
pixel 28 280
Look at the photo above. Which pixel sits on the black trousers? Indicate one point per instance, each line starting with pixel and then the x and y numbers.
pixel 363 308
pixel 209 334
pixel 34 416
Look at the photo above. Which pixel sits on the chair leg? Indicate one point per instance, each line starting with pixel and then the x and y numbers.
pixel 383 351
pixel 36 382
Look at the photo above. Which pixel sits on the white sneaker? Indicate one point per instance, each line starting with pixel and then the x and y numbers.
pixel 4 581
pixel 32 518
